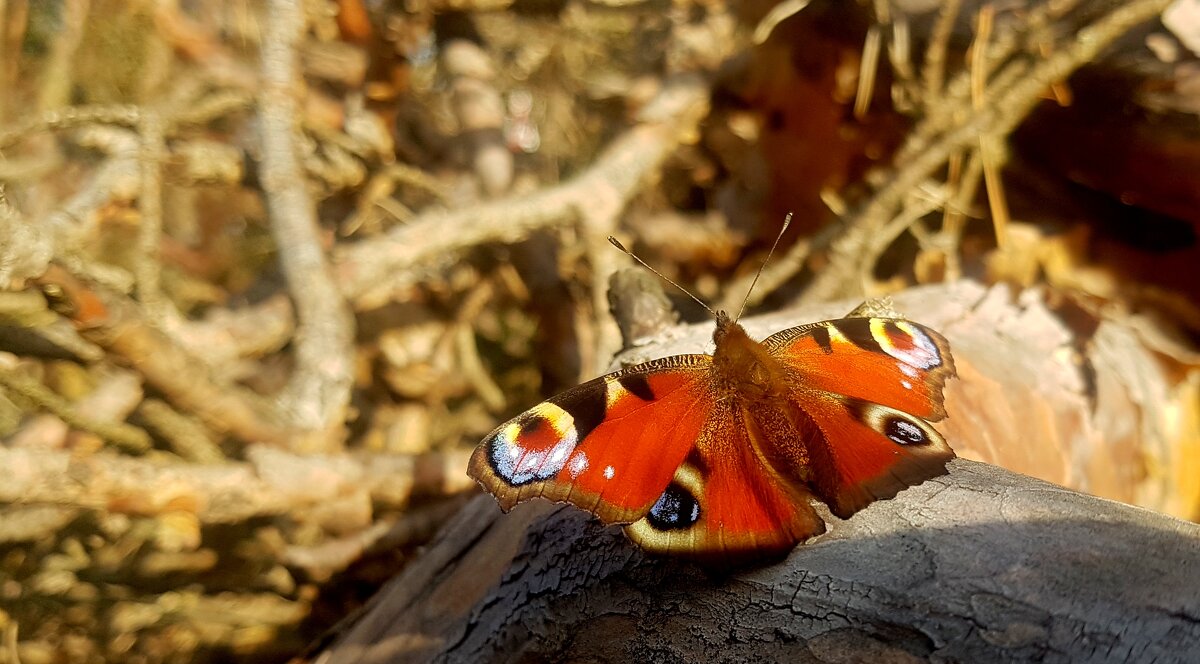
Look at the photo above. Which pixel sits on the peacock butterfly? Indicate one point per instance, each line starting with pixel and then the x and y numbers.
pixel 716 457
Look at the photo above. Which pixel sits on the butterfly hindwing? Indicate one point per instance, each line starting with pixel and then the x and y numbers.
pixel 725 504
pixel 610 445
pixel 871 386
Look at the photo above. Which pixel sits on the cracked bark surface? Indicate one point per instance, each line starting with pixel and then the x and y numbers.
pixel 980 565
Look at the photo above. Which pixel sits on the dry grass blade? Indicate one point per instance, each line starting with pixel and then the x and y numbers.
pixel 990 150
pixel 1007 109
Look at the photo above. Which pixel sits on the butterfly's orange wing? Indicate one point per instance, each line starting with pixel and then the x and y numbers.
pixel 871 386
pixel 610 445
pixel 726 503
pixel 657 446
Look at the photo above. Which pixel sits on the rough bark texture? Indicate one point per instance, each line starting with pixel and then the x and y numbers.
pixel 980 565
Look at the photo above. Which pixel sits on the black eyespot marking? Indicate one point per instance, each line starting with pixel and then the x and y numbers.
pixel 820 334
pixel 903 432
pixel 676 509
pixel 638 386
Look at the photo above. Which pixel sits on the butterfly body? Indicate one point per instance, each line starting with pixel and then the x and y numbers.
pixel 718 457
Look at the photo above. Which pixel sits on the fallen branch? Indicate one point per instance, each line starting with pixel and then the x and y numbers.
pixel 225 336
pixel 117 324
pixel 184 435
pixel 981 565
pixel 370 271
pixel 318 390
pixel 124 436
pixel 271 483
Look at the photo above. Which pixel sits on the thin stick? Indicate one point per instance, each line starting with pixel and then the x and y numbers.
pixel 317 394
pixel 900 50
pixel 150 226
pixel 617 243
pixel 122 435
pixel 934 69
pixel 867 71
pixel 777 15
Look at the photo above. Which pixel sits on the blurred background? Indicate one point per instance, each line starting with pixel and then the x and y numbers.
pixel 270 269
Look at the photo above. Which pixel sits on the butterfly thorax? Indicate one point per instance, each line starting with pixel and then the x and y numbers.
pixel 744 365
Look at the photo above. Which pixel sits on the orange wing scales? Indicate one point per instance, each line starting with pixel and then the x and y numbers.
pixel 872 386
pixel 891 362
pixel 724 504
pixel 718 457
pixel 610 445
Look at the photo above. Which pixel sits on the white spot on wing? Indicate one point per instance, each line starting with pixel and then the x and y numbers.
pixel 577 464
pixel 608 472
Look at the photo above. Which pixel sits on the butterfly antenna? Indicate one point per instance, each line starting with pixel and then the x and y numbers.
pixel 617 243
pixel 786 221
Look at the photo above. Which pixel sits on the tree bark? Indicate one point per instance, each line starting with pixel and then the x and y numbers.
pixel 980 565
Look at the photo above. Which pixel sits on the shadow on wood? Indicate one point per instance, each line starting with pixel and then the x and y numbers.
pixel 980 565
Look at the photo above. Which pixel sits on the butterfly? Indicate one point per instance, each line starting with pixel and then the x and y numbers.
pixel 717 457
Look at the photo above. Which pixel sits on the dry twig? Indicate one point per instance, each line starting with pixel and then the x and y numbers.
pixel 370 271
pixel 273 482
pixel 1004 112
pixel 148 265
pixel 118 325
pixel 124 436
pixel 318 391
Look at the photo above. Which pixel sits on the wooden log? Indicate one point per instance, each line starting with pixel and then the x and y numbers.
pixel 980 565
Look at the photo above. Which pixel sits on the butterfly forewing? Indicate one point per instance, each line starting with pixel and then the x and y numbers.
pixel 610 445
pixel 896 363
pixel 871 386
